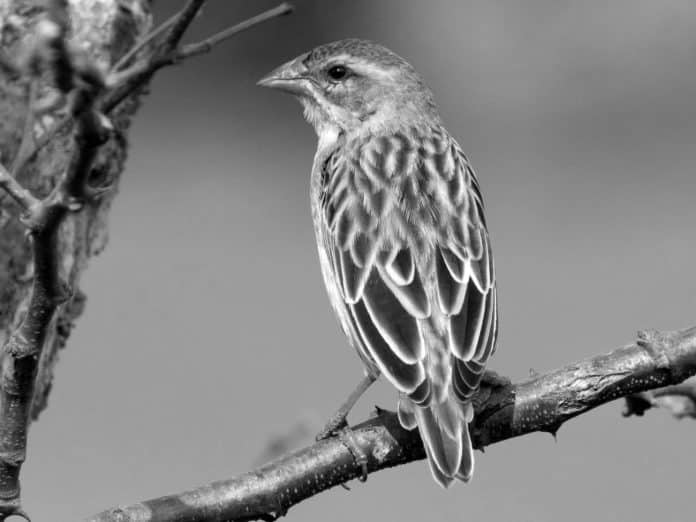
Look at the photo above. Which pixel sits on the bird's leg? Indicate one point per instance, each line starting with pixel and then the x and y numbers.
pixel 338 419
pixel 337 423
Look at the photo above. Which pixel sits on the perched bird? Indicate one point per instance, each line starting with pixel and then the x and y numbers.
pixel 402 238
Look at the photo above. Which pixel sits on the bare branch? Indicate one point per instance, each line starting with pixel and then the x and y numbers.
pixel 47 137
pixel 183 21
pixel 503 411
pixel 124 83
pixel 28 131
pixel 43 218
pixel 13 188
pixel 90 96
pixel 204 46
pixel 145 41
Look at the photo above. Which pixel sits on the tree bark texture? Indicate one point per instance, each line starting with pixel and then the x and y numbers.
pixel 106 29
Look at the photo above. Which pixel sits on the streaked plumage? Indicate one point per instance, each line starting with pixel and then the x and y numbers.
pixel 402 238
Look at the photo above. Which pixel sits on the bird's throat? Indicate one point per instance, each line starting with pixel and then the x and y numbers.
pixel 328 136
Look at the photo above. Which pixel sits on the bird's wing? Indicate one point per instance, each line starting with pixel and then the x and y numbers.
pixel 465 277
pixel 396 220
pixel 381 290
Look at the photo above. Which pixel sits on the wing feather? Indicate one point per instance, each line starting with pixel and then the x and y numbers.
pixel 398 327
pixel 353 277
pixel 466 284
pixel 412 296
pixel 406 377
pixel 401 267
pixel 465 326
pixel 404 226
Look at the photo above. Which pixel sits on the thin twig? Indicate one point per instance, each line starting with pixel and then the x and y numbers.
pixel 91 96
pixel 28 131
pixel 503 411
pixel 126 82
pixel 43 218
pixel 123 83
pixel 47 137
pixel 14 189
pixel 204 46
pixel 182 23
pixel 146 40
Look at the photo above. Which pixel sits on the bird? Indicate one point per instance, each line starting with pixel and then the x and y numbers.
pixel 403 244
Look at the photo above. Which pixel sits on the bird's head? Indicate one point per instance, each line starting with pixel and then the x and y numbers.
pixel 356 87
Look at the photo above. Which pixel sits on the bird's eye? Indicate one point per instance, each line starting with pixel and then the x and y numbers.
pixel 337 72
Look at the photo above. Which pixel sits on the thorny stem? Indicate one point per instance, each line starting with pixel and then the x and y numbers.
pixel 503 410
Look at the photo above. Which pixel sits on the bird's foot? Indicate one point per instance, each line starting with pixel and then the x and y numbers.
pixel 338 419
pixel 338 426
pixel 336 423
pixel 348 439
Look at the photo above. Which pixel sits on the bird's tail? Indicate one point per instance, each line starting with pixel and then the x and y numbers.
pixel 444 429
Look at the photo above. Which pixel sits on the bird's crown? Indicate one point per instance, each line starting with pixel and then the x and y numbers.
pixel 356 48
pixel 356 87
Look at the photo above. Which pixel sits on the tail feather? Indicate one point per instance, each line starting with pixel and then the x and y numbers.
pixel 466 465
pixel 442 479
pixel 444 430
pixel 407 414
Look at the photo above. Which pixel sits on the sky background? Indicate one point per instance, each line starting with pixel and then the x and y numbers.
pixel 208 331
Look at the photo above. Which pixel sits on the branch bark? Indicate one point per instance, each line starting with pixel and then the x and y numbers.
pixel 44 220
pixel 72 59
pixel 503 410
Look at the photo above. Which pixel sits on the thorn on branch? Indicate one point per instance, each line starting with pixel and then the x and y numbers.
pixel 637 404
pixel 678 400
pixel 509 410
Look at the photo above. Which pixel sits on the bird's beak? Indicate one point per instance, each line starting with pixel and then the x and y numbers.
pixel 290 77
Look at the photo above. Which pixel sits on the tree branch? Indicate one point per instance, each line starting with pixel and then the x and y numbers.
pixel 16 191
pixel 127 81
pixel 123 83
pixel 43 218
pixel 205 46
pixel 182 23
pixel 88 93
pixel 503 411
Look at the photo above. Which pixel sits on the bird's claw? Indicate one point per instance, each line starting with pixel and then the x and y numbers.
pixel 347 438
pixel 333 427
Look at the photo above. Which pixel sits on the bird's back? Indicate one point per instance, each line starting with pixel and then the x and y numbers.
pixel 407 264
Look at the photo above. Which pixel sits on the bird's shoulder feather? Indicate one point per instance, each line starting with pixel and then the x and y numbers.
pixel 402 225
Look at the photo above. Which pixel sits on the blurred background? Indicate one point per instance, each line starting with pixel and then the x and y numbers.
pixel 208 331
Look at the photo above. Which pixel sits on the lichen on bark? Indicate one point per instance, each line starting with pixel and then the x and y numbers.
pixel 106 29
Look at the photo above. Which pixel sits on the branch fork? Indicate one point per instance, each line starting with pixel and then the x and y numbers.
pixel 91 95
